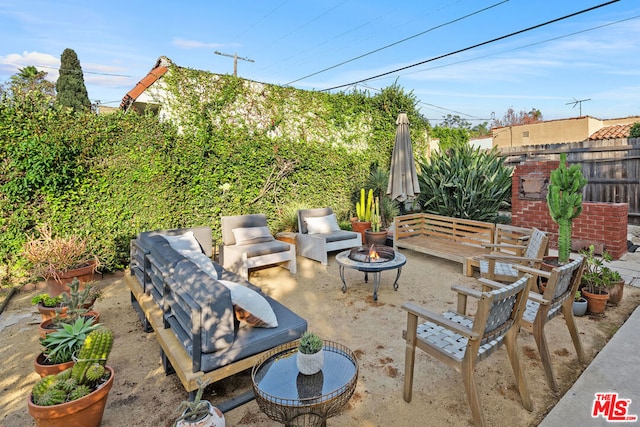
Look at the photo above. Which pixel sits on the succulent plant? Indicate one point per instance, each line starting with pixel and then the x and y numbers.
pixel 310 343
pixel 67 339
pixel 80 380
pixel 194 410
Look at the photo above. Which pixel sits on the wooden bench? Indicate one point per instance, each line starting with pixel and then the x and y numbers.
pixel 445 237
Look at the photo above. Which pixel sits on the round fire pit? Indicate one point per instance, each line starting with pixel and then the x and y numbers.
pixel 372 253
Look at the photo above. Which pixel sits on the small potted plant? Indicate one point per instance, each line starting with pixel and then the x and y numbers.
pixel 59 259
pixel 76 396
pixel 61 345
pixel 376 234
pixel 579 304
pixel 75 303
pixel 310 357
pixel 199 413
pixel 598 279
pixel 48 306
pixel 363 211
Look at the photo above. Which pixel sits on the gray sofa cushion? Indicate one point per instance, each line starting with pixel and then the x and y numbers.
pixel 250 340
pixel 213 300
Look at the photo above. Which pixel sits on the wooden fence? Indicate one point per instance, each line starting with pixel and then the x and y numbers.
pixel 611 166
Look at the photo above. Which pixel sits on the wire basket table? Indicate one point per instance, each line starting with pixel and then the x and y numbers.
pixel 294 399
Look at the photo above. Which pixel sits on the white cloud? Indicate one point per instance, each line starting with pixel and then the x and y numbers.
pixel 194 44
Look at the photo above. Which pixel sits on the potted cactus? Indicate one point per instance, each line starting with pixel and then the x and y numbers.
pixel 310 357
pixel 76 397
pixel 564 200
pixel 363 211
pixel 199 413
pixel 376 234
pixel 74 304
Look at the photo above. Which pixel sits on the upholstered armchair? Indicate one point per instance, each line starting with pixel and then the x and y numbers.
pixel 247 243
pixel 319 234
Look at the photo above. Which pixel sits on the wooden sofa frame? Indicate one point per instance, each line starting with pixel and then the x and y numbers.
pixel 454 239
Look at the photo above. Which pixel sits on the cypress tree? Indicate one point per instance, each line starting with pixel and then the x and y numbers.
pixel 70 85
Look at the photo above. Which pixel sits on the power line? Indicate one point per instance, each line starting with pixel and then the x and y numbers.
pixel 84 72
pixel 398 42
pixel 476 45
pixel 526 45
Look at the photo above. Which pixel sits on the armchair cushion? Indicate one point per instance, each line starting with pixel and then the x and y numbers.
pixel 251 235
pixel 322 224
pixel 250 307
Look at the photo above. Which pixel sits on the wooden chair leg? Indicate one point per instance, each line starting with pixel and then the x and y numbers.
pixel 472 392
pixel 567 312
pixel 512 350
pixel 543 349
pixel 410 355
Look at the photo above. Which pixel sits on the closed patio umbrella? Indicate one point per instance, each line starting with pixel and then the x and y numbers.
pixel 403 179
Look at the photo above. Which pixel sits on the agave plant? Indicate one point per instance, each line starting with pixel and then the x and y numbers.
pixel 67 339
pixel 465 183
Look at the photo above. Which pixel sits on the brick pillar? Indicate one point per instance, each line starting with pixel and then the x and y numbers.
pixel 602 224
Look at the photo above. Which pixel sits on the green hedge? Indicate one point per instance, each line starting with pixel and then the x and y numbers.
pixel 109 177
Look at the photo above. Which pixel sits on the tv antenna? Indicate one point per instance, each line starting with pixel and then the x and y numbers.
pixel 579 103
pixel 235 61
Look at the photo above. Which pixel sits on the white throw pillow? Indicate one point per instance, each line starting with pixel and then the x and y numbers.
pixel 252 235
pixel 322 224
pixel 185 242
pixel 203 262
pixel 250 306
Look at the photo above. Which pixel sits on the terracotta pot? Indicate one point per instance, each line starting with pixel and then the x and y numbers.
pixel 378 238
pixel 49 312
pixel 45 327
pixel 84 274
pixel 615 292
pixel 43 369
pixel 595 302
pixel 84 412
pixel 360 227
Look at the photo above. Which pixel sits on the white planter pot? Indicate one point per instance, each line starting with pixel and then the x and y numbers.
pixel 309 364
pixel 580 307
pixel 214 418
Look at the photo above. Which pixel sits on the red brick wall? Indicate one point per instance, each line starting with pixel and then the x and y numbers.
pixel 602 224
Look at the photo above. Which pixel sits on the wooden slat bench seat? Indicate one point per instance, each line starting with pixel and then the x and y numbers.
pixel 445 237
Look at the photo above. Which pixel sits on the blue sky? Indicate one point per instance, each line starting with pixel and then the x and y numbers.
pixel 594 55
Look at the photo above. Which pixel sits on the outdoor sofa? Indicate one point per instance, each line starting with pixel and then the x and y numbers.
pixel 187 300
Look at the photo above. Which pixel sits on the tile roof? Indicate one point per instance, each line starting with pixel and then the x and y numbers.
pixel 612 132
pixel 142 85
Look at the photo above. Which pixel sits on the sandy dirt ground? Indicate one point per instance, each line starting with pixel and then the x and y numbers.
pixel 143 395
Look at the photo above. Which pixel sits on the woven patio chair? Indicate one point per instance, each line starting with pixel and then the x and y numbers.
pixel 558 297
pixel 461 341
pixel 502 267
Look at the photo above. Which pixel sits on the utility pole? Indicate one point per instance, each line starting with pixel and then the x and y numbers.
pixel 235 61
pixel 578 102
